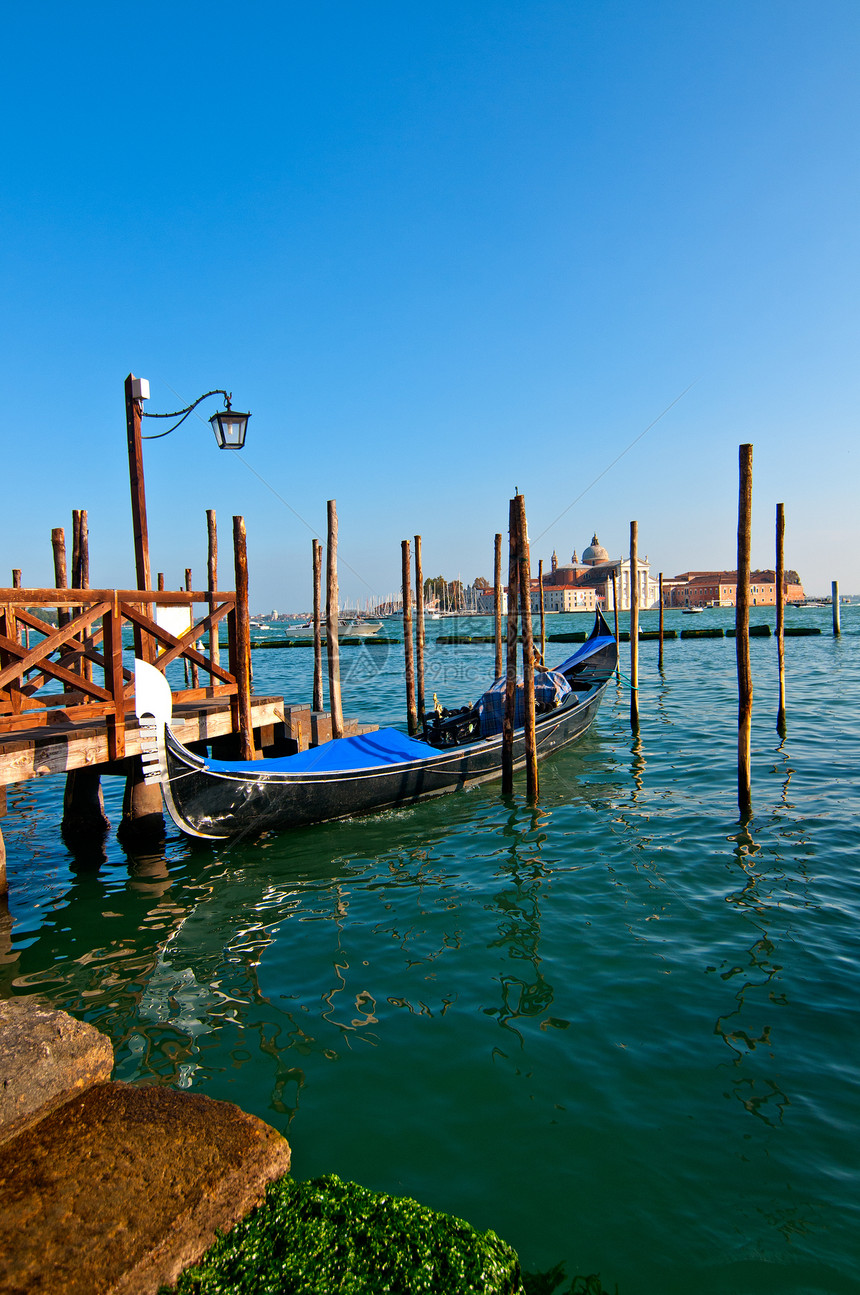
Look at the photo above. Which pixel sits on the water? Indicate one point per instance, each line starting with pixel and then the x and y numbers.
pixel 619 1030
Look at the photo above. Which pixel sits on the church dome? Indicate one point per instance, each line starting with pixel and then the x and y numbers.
pixel 595 553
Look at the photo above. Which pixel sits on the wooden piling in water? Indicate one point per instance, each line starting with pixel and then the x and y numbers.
pixel 497 588
pixel 212 570
pixel 331 625
pixel 780 615
pixel 834 596
pixel 316 550
pixel 634 626
pixel 660 651
pixel 542 617
pixel 16 577
pixel 742 625
pixel 242 668
pixel 511 663
pixel 525 592
pixel 195 674
pixel 615 608
pixel 408 648
pixel 419 631
pixel 58 544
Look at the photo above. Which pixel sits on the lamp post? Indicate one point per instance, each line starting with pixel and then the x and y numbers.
pixel 228 425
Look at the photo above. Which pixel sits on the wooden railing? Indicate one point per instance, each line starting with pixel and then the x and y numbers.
pixel 85 655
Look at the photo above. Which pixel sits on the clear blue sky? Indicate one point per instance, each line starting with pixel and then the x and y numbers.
pixel 440 251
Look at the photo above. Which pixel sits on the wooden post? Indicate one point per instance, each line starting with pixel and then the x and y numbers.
pixel 742 632
pixel 419 632
pixel 142 813
pixel 243 641
pixel 834 595
pixel 16 584
pixel 660 653
pixel 317 701
pixel 511 666
pixel 143 645
pixel 542 619
pixel 409 659
pixel 214 646
pixel 634 626
pixel 615 607
pixel 331 627
pixel 58 542
pixel 84 817
pixel 160 582
pixel 497 586
pixel 525 581
pixel 780 615
pixel 195 678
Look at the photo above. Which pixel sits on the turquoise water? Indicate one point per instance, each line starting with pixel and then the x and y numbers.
pixel 618 1029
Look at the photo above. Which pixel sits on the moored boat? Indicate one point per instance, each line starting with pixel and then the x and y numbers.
pixel 220 799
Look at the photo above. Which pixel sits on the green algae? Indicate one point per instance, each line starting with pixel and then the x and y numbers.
pixel 328 1237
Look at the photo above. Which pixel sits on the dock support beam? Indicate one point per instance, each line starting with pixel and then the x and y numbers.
pixel 142 815
pixel 83 806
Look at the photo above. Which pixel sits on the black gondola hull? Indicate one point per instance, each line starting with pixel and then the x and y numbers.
pixel 244 799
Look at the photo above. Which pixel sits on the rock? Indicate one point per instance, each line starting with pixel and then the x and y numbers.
pixel 122 1188
pixel 46 1058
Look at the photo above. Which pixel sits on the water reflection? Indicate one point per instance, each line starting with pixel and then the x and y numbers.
pixel 753 982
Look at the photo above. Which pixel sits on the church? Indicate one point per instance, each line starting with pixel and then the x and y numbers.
pixel 587 582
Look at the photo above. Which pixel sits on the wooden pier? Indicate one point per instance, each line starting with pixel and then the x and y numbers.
pixel 67 691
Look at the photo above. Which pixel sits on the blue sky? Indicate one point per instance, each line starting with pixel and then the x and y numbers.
pixel 439 251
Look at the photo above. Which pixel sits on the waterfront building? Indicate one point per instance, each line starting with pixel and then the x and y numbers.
pixel 720 589
pixel 593 572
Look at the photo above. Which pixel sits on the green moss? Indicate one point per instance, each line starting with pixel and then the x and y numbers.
pixel 327 1237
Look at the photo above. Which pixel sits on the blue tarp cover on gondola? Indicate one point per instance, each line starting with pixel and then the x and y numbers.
pixel 588 649
pixel 551 688
pixel 364 751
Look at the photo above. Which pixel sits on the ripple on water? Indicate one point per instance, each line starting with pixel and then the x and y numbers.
pixel 619 1029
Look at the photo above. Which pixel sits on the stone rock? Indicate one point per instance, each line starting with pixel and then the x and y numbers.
pixel 122 1188
pixel 46 1058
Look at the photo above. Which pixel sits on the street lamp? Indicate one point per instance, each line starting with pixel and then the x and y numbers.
pixel 228 425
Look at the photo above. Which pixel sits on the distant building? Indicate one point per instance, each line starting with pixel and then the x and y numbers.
pixel 586 584
pixel 594 572
pixel 720 589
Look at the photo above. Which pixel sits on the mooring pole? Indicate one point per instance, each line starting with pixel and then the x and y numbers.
pixel 542 620
pixel 834 596
pixel 634 626
pixel 660 653
pixel 212 569
pixel 408 647
pixel 195 677
pixel 316 551
pixel 525 581
pixel 615 607
pixel 780 615
pixel 331 625
pixel 511 664
pixel 243 641
pixel 419 631
pixel 497 587
pixel 742 632
pixel 58 543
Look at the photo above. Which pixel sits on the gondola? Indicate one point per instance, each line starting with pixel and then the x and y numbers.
pixel 220 799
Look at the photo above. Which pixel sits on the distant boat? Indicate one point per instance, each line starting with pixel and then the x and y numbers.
pixel 693 611
pixel 348 627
